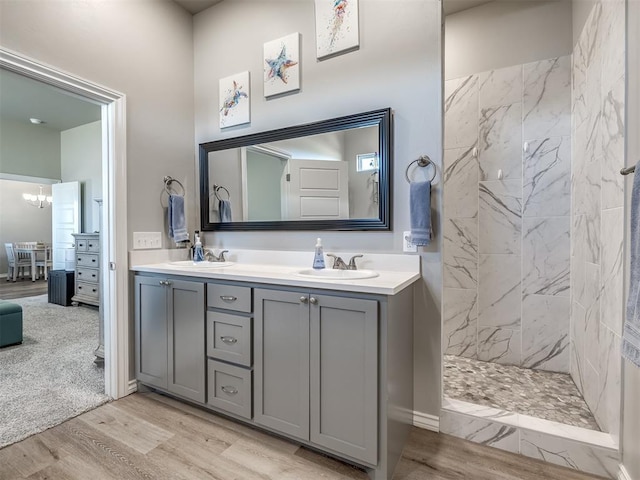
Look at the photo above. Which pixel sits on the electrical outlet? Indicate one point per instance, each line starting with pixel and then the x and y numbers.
pixel 407 246
pixel 147 240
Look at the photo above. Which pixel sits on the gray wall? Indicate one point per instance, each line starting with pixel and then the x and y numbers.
pixel 398 65
pixel 143 49
pixel 504 33
pixel 81 160
pixel 264 174
pixel 361 186
pixel 26 149
pixel 580 10
pixel 631 381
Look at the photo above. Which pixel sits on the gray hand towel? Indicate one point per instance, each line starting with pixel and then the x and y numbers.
pixel 177 222
pixel 631 332
pixel 224 207
pixel 420 212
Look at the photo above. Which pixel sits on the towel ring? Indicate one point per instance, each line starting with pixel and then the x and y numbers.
pixel 167 186
pixel 423 161
pixel 217 188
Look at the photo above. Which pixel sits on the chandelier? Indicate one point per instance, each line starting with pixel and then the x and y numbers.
pixel 41 200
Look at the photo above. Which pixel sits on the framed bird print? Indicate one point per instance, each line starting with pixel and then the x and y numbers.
pixel 282 65
pixel 235 100
pixel 336 27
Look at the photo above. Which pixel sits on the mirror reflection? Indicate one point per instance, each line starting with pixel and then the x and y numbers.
pixel 328 175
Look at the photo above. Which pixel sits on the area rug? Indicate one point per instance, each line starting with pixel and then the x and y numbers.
pixel 51 377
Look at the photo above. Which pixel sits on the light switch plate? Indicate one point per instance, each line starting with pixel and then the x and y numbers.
pixel 147 240
pixel 407 246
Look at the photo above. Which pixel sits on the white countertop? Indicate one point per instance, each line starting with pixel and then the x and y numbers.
pixel 395 272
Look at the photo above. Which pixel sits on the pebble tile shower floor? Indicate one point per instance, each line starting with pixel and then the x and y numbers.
pixel 547 395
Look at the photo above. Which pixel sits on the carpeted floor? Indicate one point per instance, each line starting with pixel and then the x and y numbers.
pixel 51 377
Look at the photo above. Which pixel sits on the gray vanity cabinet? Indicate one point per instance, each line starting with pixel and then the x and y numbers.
pixel 281 362
pixel 344 375
pixel 316 369
pixel 170 335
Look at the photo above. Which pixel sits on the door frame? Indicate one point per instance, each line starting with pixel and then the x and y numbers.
pixel 114 262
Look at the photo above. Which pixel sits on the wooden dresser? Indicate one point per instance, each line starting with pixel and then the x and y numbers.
pixel 87 280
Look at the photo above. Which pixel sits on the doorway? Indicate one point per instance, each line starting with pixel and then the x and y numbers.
pixel 113 224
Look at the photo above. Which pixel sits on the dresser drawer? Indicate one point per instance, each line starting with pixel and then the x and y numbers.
pixel 87 260
pixel 88 289
pixel 81 245
pixel 93 245
pixel 88 275
pixel 229 388
pixel 229 338
pixel 230 297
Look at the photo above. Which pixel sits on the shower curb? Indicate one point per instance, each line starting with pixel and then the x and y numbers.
pixel 574 447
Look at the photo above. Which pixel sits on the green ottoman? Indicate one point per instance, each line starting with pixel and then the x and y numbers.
pixel 10 323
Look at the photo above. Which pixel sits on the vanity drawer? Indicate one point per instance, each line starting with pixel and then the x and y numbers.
pixel 87 260
pixel 230 297
pixel 81 245
pixel 229 338
pixel 88 275
pixel 88 289
pixel 229 388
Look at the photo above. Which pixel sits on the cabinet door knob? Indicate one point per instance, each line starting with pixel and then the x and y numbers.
pixel 313 301
pixel 304 299
pixel 229 340
pixel 228 298
pixel 229 390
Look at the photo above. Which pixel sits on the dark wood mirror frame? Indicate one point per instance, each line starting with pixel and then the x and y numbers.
pixel 381 118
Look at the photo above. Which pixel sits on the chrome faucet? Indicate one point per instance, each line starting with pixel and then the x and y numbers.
pixel 212 257
pixel 339 264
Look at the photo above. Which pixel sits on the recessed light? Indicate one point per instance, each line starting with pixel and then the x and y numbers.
pixel 36 121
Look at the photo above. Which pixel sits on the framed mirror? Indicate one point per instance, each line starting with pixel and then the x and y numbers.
pixel 328 175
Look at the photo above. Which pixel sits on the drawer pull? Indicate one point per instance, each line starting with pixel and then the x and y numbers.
pixel 228 298
pixel 229 340
pixel 79 273
pixel 229 390
pixel 313 301
pixel 93 260
pixel 304 299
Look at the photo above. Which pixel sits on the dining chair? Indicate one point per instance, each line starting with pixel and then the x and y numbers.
pixel 17 263
pixel 43 260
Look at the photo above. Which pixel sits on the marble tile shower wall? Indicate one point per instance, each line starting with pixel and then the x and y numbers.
pixel 508 215
pixel 597 211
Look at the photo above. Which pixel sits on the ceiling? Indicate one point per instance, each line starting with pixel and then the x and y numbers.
pixel 455 6
pixel 196 6
pixel 22 98
pixel 450 6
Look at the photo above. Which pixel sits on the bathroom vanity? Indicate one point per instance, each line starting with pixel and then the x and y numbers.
pixel 326 363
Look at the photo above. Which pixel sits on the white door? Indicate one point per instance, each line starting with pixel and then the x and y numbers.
pixel 316 190
pixel 66 220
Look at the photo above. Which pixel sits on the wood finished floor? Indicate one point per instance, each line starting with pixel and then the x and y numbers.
pixel 149 436
pixel 22 288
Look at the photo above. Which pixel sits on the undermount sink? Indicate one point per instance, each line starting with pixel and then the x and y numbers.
pixel 331 274
pixel 190 264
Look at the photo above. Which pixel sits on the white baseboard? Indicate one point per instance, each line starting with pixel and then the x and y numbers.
pixel 623 474
pixel 133 387
pixel 426 421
